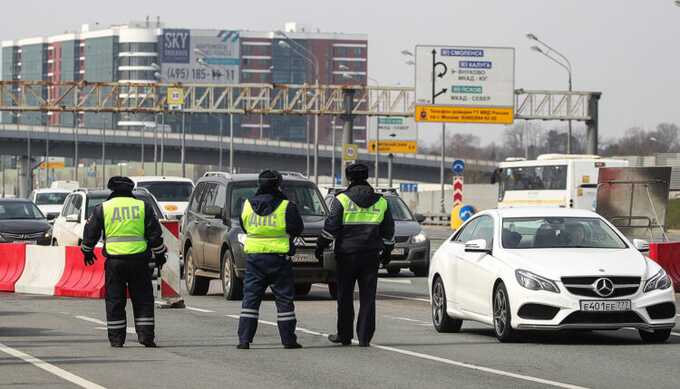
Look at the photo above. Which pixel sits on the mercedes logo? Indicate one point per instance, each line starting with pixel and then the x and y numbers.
pixel 299 242
pixel 604 287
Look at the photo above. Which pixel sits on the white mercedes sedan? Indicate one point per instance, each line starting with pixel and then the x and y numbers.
pixel 548 269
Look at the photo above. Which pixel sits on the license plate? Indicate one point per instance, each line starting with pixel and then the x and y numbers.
pixel 303 258
pixel 605 305
pixel 399 251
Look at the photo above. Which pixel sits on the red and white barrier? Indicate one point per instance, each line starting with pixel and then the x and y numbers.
pixel 667 255
pixel 79 280
pixel 170 275
pixel 12 262
pixel 43 270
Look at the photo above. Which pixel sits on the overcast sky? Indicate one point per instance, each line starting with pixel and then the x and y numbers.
pixel 628 49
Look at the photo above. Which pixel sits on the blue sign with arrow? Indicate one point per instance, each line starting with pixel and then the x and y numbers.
pixel 466 212
pixel 458 166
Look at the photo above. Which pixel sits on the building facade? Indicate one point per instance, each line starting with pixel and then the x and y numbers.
pixel 135 53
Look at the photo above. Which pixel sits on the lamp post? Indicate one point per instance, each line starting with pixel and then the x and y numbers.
pixel 564 63
pixel 314 61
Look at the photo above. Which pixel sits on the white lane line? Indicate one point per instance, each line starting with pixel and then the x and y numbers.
pixel 675 333
pixel 48 367
pixel 199 309
pixel 442 360
pixel 403 297
pixel 408 319
pixel 129 330
pixel 395 281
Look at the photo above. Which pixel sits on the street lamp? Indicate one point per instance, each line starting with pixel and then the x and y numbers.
pixel 314 61
pixel 159 77
pixel 564 63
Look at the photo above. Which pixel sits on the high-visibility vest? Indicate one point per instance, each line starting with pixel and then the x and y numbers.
pixel 265 234
pixel 124 226
pixel 354 214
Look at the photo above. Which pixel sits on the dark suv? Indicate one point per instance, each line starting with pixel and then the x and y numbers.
pixel 212 238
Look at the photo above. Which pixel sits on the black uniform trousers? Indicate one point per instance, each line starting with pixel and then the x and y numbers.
pixel 353 268
pixel 262 271
pixel 135 276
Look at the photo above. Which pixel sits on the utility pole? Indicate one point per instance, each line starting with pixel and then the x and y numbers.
pixel 231 143
pixel 162 143
pixel 348 127
pixel 75 146
pixel 221 141
pixel 103 157
pixel 183 145
pixel 441 168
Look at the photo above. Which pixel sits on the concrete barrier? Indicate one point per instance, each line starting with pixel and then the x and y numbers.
pixel 170 282
pixel 43 270
pixel 79 280
pixel 12 262
pixel 667 255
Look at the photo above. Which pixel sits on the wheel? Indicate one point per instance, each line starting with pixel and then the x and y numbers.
pixel 420 271
pixel 232 286
pixel 501 314
pixel 393 271
pixel 333 289
pixel 656 336
pixel 54 242
pixel 196 286
pixel 441 320
pixel 303 289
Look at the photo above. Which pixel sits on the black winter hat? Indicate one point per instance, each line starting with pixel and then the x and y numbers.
pixel 269 179
pixel 120 184
pixel 357 172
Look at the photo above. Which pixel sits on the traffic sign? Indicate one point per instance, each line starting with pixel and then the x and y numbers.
pixel 175 97
pixel 52 165
pixel 350 152
pixel 457 190
pixel 457 167
pixel 466 212
pixel 406 187
pixel 457 84
pixel 394 146
pixel 397 135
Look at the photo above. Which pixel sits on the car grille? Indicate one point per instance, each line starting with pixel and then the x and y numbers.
pixel 401 239
pixel 584 286
pixel 28 236
pixel 581 317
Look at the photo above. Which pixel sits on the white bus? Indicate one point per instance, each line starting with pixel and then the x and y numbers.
pixel 172 193
pixel 557 180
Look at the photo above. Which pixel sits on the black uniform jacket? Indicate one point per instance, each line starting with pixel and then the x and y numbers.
pixel 94 228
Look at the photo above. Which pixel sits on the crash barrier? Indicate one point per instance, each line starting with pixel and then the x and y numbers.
pixel 667 255
pixel 79 280
pixel 170 282
pixel 12 262
pixel 43 270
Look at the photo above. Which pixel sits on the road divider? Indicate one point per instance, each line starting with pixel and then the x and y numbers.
pixel 79 280
pixel 43 270
pixel 170 282
pixel 12 262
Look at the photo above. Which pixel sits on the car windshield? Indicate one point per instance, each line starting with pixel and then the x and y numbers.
pixel 400 211
pixel 19 211
pixel 51 198
pixel 169 190
pixel 559 232
pixel 93 201
pixel 534 178
pixel 305 196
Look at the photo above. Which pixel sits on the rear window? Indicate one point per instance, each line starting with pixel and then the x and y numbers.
pixel 398 208
pixel 54 198
pixel 552 177
pixel 305 196
pixel 169 190
pixel 93 201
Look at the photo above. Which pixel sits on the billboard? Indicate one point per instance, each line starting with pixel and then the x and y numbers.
pixel 199 56
pixel 397 135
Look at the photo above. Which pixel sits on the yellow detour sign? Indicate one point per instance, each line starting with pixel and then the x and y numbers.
pixel 350 152
pixel 394 146
pixel 52 165
pixel 464 115
pixel 456 221
pixel 175 96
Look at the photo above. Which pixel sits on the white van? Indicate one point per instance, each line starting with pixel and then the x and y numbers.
pixel 49 201
pixel 68 185
pixel 172 193
pixel 553 180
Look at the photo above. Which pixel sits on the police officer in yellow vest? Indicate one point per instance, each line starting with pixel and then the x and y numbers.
pixel 271 223
pixel 131 235
pixel 361 224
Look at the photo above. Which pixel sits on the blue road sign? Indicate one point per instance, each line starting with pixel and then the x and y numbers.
pixel 466 212
pixel 408 187
pixel 458 166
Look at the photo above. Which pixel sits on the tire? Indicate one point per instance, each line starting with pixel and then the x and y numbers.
pixel 440 319
pixel 196 286
pixel 656 336
pixel 333 289
pixel 54 242
pixel 502 318
pixel 232 286
pixel 393 271
pixel 303 289
pixel 420 271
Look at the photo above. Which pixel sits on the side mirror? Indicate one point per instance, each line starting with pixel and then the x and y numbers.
pixel 51 216
pixel 495 176
pixel 75 218
pixel 213 210
pixel 477 246
pixel 641 245
pixel 419 217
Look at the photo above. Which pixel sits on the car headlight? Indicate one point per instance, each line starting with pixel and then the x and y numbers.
pixel 533 281
pixel 241 238
pixel 659 281
pixel 419 237
pixel 2 239
pixel 48 233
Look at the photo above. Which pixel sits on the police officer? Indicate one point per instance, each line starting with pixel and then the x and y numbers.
pixel 271 223
pixel 131 235
pixel 362 227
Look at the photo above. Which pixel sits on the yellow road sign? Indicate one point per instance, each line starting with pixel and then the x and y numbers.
pixel 175 96
pixel 350 152
pixel 394 146
pixel 426 113
pixel 52 165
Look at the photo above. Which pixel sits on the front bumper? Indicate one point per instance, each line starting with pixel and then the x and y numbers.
pixel 415 255
pixel 570 316
pixel 309 271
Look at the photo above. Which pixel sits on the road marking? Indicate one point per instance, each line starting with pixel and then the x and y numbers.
pixel 59 372
pixel 442 360
pixel 675 333
pixel 403 297
pixel 408 319
pixel 394 281
pixel 129 330
pixel 199 309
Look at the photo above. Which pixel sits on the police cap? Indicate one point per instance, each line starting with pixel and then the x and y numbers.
pixel 120 184
pixel 269 179
pixel 357 172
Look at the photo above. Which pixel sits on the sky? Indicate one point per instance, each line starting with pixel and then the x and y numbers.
pixel 627 49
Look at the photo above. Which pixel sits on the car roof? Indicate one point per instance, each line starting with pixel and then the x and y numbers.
pixel 52 190
pixel 137 179
pixel 542 212
pixel 15 200
pixel 243 177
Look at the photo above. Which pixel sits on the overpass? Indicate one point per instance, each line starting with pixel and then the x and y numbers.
pixel 250 155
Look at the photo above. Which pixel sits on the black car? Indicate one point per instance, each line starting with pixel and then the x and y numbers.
pixel 412 248
pixel 22 222
pixel 212 239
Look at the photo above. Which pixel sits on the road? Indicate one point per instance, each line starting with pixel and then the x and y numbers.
pixel 68 339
